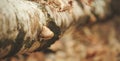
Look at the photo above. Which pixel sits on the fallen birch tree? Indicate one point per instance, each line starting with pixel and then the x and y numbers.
pixel 26 26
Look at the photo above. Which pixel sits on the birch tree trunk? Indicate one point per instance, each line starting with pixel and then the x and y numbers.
pixel 29 25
